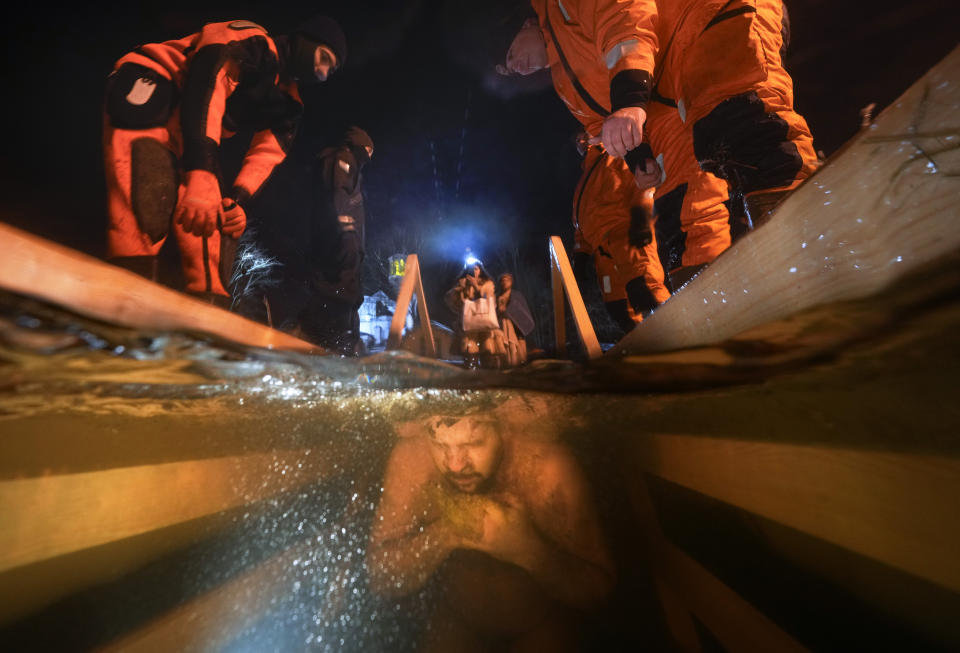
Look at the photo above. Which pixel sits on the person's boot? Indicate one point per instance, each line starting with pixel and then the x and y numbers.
pixel 760 205
pixel 682 275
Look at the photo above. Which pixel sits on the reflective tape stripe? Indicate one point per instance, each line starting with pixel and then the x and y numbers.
pixel 619 51
pixel 563 10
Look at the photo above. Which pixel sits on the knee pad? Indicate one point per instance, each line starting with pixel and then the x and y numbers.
pixel 742 142
pixel 153 186
pixel 139 98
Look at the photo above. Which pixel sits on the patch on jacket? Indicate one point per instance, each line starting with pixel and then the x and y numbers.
pixel 141 92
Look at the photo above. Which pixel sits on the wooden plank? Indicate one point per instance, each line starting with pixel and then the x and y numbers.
pixel 739 626
pixel 49 516
pixel 559 308
pixel 684 586
pixel 899 509
pixel 422 308
pixel 209 622
pixel 676 611
pixel 32 266
pixel 886 205
pixel 561 264
pixel 412 284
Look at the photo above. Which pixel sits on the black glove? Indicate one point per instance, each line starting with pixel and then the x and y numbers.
pixel 637 157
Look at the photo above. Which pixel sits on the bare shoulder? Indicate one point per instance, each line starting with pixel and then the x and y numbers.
pixel 542 466
pixel 411 458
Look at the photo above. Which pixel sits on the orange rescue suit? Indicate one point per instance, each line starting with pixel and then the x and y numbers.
pixel 720 65
pixel 168 106
pixel 601 56
pixel 605 199
pixel 693 223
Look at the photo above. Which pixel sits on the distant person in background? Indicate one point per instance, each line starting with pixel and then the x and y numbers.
pixel 500 524
pixel 516 320
pixel 168 105
pixel 336 249
pixel 481 340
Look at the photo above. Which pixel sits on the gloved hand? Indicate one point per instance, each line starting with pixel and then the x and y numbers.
pixel 199 207
pixel 234 218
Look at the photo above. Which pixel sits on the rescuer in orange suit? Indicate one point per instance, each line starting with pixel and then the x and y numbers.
pixel 601 57
pixel 607 198
pixel 168 105
pixel 721 66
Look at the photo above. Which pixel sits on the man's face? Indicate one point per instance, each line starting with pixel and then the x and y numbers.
pixel 506 282
pixel 467 452
pixel 324 62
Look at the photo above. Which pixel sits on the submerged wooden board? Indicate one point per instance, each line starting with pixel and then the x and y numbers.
pixel 35 267
pixel 884 206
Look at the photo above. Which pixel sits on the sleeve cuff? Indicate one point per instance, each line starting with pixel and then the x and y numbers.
pixel 239 195
pixel 203 154
pixel 630 88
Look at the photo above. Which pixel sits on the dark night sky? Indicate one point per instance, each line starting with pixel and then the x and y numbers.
pixel 468 158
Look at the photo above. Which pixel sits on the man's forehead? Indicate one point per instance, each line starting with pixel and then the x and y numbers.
pixel 459 427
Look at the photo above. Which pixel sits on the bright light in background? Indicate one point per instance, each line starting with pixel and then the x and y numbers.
pixel 469 230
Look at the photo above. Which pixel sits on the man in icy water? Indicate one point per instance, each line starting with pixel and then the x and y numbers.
pixel 500 528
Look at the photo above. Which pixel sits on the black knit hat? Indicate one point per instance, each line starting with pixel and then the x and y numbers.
pixel 357 137
pixel 358 140
pixel 325 31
